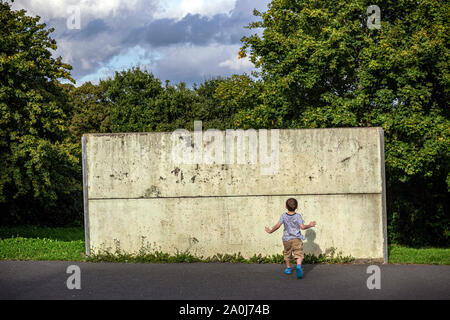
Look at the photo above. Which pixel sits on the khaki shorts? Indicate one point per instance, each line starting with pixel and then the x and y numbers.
pixel 294 248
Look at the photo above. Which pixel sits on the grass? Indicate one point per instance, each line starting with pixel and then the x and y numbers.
pixel 20 248
pixel 67 244
pixel 398 254
pixel 62 234
pixel 41 243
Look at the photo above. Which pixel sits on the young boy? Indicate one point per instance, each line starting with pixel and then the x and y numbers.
pixel 292 236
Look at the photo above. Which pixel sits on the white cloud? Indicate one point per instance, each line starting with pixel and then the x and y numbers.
pixel 65 50
pixel 99 9
pixel 237 64
pixel 51 9
pixel 89 9
pixel 195 63
pixel 178 9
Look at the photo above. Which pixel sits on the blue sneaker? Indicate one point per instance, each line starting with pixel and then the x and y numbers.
pixel 288 271
pixel 299 272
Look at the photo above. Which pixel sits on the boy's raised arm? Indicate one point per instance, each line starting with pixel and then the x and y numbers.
pixel 275 228
pixel 307 226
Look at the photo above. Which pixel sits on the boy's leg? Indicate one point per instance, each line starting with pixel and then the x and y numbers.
pixel 298 254
pixel 287 255
pixel 298 251
pixel 288 263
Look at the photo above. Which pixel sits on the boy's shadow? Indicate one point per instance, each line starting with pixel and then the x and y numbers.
pixel 309 247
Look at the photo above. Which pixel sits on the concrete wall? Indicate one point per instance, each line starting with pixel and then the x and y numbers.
pixel 136 196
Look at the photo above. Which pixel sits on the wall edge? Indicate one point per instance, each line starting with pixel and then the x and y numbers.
pixel 383 197
pixel 85 195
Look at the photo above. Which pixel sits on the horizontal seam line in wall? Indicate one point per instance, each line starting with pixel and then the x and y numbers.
pixel 242 196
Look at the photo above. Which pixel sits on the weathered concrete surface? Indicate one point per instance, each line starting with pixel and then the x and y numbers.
pixel 137 197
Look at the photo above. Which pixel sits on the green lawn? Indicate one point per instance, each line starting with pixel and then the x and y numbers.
pixel 398 254
pixel 39 243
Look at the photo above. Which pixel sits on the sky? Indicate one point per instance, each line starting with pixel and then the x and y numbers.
pixel 176 40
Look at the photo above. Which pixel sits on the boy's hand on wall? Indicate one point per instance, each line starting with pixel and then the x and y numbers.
pixel 267 229
pixel 312 224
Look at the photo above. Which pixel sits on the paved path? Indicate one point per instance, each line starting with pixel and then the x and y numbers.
pixel 47 280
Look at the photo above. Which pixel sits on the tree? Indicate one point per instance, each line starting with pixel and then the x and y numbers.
pixel 323 67
pixel 176 107
pixel 39 163
pixel 131 95
pixel 241 97
pixel 212 114
pixel 137 101
pixel 90 109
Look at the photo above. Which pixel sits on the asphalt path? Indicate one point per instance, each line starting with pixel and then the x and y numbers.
pixel 217 281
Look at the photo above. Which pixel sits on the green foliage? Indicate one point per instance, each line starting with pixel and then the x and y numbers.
pixel 138 102
pixel 213 112
pixel 146 256
pixel 91 110
pixel 131 95
pixel 322 67
pixel 39 169
pixel 240 96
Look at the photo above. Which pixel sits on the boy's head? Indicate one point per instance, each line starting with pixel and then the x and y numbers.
pixel 291 204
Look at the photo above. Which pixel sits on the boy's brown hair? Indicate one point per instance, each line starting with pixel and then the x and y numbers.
pixel 291 204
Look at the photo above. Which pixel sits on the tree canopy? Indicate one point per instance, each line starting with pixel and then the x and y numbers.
pixel 39 163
